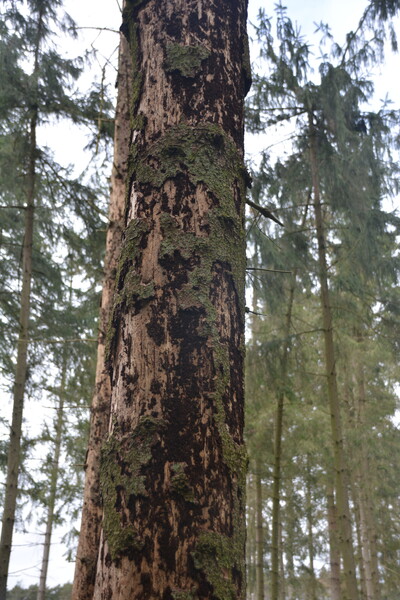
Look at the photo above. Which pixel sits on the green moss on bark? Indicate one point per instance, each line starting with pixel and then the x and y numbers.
pixel 180 482
pixel 128 284
pixel 219 557
pixel 180 595
pixel 122 459
pixel 185 60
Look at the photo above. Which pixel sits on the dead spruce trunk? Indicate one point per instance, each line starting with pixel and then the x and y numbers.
pixel 173 466
pixel 89 538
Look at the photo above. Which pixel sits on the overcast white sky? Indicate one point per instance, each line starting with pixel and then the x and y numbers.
pixel 342 15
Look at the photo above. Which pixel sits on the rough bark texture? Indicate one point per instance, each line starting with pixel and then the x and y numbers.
pixel 173 467
pixel 89 539
pixel 342 497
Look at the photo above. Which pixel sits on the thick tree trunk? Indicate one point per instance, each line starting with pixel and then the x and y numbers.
pixel 89 538
pixel 51 502
pixel 14 451
pixel 173 467
pixel 342 499
pixel 259 534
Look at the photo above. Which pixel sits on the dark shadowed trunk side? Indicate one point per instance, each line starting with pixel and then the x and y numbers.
pixel 173 467
pixel 89 538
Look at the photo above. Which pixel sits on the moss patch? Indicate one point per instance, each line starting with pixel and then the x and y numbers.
pixel 185 60
pixel 128 287
pixel 122 459
pixel 180 595
pixel 180 482
pixel 218 556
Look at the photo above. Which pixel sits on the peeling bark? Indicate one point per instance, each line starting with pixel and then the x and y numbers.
pixel 89 539
pixel 173 466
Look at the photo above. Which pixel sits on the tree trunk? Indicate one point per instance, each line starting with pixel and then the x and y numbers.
pixel 89 538
pixel 173 466
pixel 312 591
pixel 342 500
pixel 334 555
pixel 251 548
pixel 14 451
pixel 278 438
pixel 51 503
pixel 367 528
pixel 259 533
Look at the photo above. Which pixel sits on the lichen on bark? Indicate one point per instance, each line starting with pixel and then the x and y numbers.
pixel 185 60
pixel 121 478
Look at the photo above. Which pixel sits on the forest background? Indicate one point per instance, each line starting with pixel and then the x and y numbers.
pixel 85 288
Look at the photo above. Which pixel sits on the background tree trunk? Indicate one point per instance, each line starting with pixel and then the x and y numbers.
pixel 342 499
pixel 51 502
pixel 334 555
pixel 173 467
pixel 89 538
pixel 259 533
pixel 14 451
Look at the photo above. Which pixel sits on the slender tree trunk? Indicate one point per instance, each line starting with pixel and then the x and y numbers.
pixel 312 594
pixel 251 546
pixel 282 570
pixel 259 533
pixel 89 539
pixel 334 554
pixel 51 503
pixel 14 451
pixel 342 500
pixel 360 550
pixel 278 439
pixel 173 466
pixel 367 528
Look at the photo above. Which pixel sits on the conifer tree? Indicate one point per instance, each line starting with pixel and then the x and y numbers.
pixel 36 87
pixel 337 158
pixel 172 468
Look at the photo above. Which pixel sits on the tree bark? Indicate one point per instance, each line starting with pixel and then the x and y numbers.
pixel 173 466
pixel 89 538
pixel 342 499
pixel 14 451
